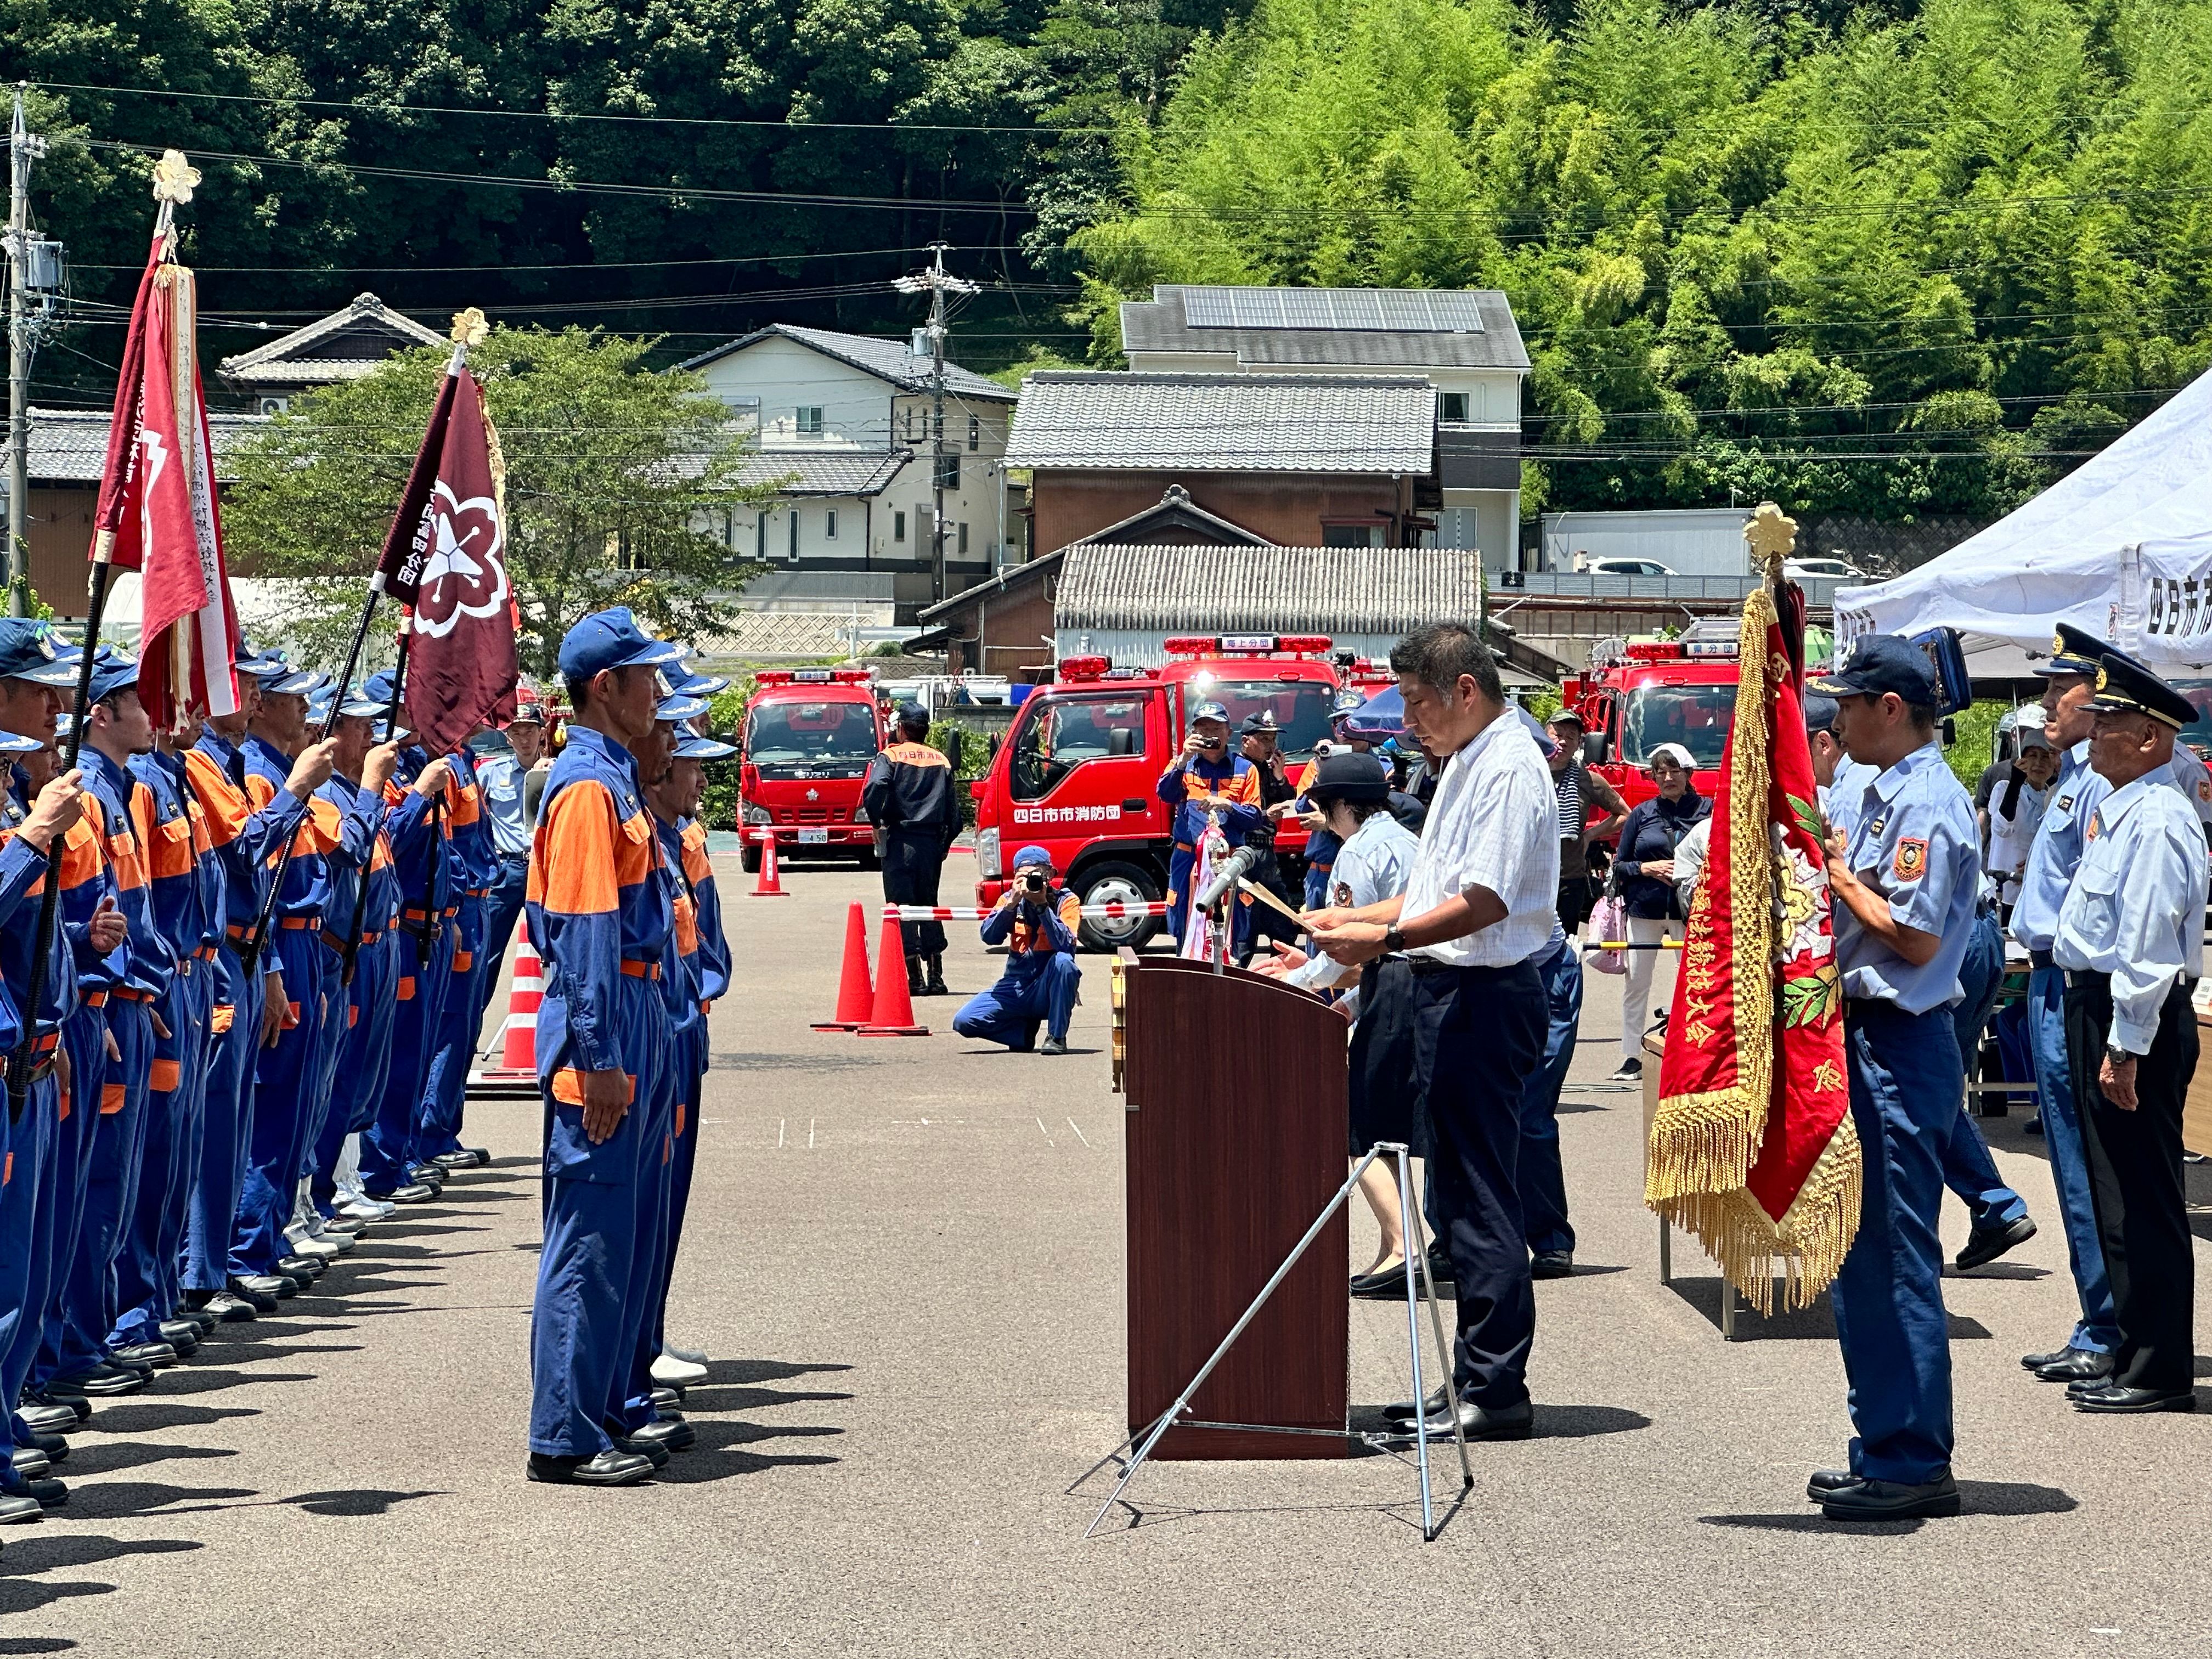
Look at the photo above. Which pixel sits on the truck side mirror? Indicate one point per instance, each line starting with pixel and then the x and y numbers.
pixel 976 788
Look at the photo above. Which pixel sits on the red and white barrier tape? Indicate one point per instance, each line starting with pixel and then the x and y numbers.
pixel 969 913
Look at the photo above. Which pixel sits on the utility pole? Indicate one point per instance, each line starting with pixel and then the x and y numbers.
pixel 21 147
pixel 938 283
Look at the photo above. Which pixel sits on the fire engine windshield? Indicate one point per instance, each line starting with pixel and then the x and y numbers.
pixel 1696 716
pixel 1301 708
pixel 810 734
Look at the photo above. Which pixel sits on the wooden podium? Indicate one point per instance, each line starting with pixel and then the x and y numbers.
pixel 1237 1131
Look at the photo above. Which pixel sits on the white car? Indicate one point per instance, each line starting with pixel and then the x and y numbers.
pixel 1625 567
pixel 1841 570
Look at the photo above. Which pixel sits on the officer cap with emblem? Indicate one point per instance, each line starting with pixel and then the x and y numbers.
pixel 2126 687
pixel 1259 724
pixel 2074 652
pixel 29 651
pixel 1349 775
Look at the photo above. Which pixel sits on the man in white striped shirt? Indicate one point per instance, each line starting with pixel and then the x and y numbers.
pixel 1476 913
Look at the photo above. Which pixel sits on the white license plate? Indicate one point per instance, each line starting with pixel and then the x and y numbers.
pixel 813 837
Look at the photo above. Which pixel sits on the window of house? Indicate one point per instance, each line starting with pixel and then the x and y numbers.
pixel 1349 535
pixel 829 525
pixel 794 532
pixel 760 536
pixel 948 471
pixel 1451 406
pixel 963 541
pixel 974 432
pixel 899 527
pixel 809 420
pixel 909 423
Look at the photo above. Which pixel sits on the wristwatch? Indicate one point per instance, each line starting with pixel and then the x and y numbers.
pixel 2117 1056
pixel 1393 941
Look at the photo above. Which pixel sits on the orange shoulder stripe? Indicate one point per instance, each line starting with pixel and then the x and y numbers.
pixel 227 810
pixel 572 863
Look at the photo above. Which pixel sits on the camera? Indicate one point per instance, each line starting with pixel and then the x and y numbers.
pixel 1032 883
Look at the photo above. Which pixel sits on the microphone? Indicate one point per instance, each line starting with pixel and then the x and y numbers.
pixel 1230 871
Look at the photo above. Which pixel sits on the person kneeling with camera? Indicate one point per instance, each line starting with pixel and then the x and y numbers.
pixel 1037 921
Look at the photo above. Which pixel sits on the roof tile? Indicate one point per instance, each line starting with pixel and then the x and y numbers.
pixel 1224 423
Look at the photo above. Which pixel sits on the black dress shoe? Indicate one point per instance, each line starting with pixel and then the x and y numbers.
pixel 15 1510
pixel 59 1394
pixel 651 1450
pixel 102 1381
pixel 666 1400
pixel 2036 1362
pixel 29 1462
pixel 229 1308
pixel 450 1162
pixel 1382 1285
pixel 159 1355
pixel 415 1192
pixel 2113 1398
pixel 348 1224
pixel 301 1269
pixel 49 1494
pixel 2079 1365
pixel 609 1468
pixel 1507 1423
pixel 55 1448
pixel 430 1175
pixel 42 1419
pixel 200 1316
pixel 1405 1411
pixel 1552 1264
pixel 263 1290
pixel 672 1432
pixel 182 1335
pixel 1892 1500
pixel 1986 1244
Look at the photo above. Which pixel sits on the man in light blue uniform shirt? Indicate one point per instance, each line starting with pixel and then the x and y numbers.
pixel 1906 876
pixel 1997 1215
pixel 2130 941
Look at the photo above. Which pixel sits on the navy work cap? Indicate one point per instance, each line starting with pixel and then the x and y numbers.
pixel 291 682
pixel 1210 711
pixel 262 665
pixel 611 639
pixel 2124 686
pixel 1819 713
pixel 912 714
pixel 111 674
pixel 2074 652
pixel 695 748
pixel 1033 854
pixel 29 651
pixel 1348 774
pixel 1882 663
pixel 1260 724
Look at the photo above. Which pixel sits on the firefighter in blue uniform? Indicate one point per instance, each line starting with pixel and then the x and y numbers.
pixel 1905 877
pixel 1206 778
pixel 600 914
pixel 474 866
pixel 1037 920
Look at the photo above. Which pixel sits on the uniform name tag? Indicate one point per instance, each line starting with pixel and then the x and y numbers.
pixel 1878 825
pixel 2066 803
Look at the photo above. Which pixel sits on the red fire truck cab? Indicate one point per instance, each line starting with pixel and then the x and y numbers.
pixel 1078 773
pixel 809 735
pixel 1637 695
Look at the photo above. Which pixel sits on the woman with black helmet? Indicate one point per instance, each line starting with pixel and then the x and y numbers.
pixel 1352 791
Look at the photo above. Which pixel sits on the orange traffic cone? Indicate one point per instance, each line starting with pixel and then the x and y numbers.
pixel 516 1074
pixel 856 1003
pixel 767 885
pixel 893 1015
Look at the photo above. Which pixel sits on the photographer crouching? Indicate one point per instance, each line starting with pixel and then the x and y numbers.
pixel 1037 921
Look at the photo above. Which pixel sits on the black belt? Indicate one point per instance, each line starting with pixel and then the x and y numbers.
pixel 1429 967
pixel 2040 959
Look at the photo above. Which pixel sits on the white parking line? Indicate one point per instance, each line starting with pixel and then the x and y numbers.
pixel 810 1135
pixel 1080 1135
pixel 1046 1132
pixel 778 1134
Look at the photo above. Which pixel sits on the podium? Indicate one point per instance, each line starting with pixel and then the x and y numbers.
pixel 1238 1129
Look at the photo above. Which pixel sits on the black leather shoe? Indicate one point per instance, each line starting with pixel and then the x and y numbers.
pixel 672 1432
pixel 263 1290
pixel 450 1162
pixel 1891 1500
pixel 230 1308
pixel 1382 1285
pixel 197 1311
pixel 60 1394
pixel 159 1355
pixel 47 1419
pixel 1985 1245
pixel 29 1462
pixel 301 1269
pixel 2036 1362
pixel 55 1448
pixel 651 1450
pixel 1440 1266
pixel 1552 1264
pixel 16 1512
pixel 49 1494
pixel 182 1335
pixel 2113 1398
pixel 1509 1423
pixel 102 1381
pixel 415 1192
pixel 348 1224
pixel 1405 1411
pixel 609 1468
pixel 667 1400
pixel 2079 1365
pixel 429 1174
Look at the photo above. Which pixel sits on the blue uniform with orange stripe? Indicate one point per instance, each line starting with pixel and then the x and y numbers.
pixel 146 1290
pixel 119 1139
pixel 423 961
pixel 707 957
pixel 473 863
pixel 284 1076
pixel 352 823
pixel 600 914
pixel 244 838
pixel 372 1004
pixel 86 883
pixel 1190 786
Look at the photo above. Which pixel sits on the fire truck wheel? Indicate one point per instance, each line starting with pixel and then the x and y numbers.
pixel 748 859
pixel 1115 882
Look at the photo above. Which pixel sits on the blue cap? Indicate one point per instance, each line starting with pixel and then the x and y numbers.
pixel 681 678
pixel 1347 702
pixel 15 742
pixel 290 683
pixel 111 674
pixel 696 748
pixel 912 714
pixel 1033 854
pixel 29 651
pixel 1819 713
pixel 262 665
pixel 1210 711
pixel 611 639
pixel 679 708
pixel 1882 663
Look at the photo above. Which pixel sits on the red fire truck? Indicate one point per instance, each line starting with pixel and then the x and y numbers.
pixel 1079 771
pixel 1640 694
pixel 809 735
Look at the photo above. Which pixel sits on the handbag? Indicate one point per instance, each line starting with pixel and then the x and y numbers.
pixel 1609 920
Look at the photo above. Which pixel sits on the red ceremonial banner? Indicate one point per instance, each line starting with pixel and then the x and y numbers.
pixel 1753 1148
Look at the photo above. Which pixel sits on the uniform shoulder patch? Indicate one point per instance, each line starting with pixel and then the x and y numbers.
pixel 1342 894
pixel 2096 827
pixel 1910 860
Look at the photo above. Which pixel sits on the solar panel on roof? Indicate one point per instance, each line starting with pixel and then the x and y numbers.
pixel 1383 310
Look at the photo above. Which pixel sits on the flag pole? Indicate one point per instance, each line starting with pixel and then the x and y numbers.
pixel 469 328
pixel 173 182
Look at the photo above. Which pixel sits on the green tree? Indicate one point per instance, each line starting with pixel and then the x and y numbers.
pixel 617 485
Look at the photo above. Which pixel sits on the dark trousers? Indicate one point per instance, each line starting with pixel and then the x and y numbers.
pixel 1542 1180
pixel 911 866
pixel 1478 1038
pixel 2136 1184
pixel 1574 902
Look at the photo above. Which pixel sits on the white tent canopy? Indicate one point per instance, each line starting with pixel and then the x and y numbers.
pixel 2122 546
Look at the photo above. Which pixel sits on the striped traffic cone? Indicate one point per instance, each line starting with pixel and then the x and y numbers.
pixel 515 1076
pixel 769 883
pixel 893 1015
